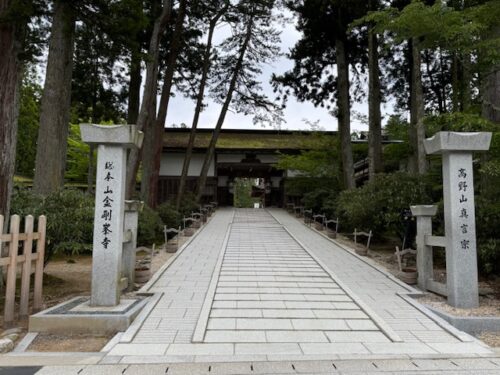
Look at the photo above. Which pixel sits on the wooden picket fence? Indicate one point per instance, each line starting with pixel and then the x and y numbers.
pixel 13 239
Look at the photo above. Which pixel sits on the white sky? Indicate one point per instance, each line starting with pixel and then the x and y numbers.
pixel 181 109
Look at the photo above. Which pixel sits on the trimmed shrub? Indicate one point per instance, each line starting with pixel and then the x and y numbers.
pixel 169 215
pixel 487 225
pixel 70 218
pixel 150 227
pixel 315 200
pixel 378 205
pixel 188 205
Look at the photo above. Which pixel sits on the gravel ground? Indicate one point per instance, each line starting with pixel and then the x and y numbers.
pixel 487 306
pixel 66 278
pixel 73 343
pixel 490 338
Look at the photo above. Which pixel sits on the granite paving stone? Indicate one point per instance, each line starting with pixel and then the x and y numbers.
pixel 281 291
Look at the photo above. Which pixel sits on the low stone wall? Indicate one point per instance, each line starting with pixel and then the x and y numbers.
pixel 473 325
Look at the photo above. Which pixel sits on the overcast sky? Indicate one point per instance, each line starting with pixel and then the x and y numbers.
pixel 181 109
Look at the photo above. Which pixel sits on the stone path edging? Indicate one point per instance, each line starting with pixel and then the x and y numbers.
pixel 130 333
pixel 361 258
pixel 388 331
pixel 201 325
pixel 171 260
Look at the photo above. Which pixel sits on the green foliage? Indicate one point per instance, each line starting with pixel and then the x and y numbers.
pixel 188 205
pixel 169 215
pixel 298 186
pixel 489 256
pixel 458 122
pixel 315 200
pixel 70 217
pixel 487 224
pixel 433 25
pixel 77 160
pixel 29 115
pixel 378 204
pixel 397 129
pixel 150 227
pixel 243 193
pixel 319 158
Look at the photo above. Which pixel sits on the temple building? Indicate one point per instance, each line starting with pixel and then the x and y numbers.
pixel 239 153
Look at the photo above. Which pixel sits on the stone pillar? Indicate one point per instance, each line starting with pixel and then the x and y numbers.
pixel 131 221
pixel 112 143
pixel 459 212
pixel 424 216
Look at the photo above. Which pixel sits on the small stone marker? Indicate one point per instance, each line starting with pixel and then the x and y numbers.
pixel 459 214
pixel 112 142
pixel 130 225
pixel 424 216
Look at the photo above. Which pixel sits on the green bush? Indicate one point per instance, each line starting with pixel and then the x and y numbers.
pixel 150 227
pixel 70 218
pixel 487 225
pixel 378 204
pixel 169 215
pixel 315 200
pixel 188 205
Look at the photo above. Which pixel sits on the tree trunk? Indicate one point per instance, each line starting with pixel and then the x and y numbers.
pixel 417 112
pixel 344 114
pixel 56 103
pixel 199 106
pixel 149 182
pixel 225 107
pixel 150 91
pixel 434 86
pixel 455 83
pixel 134 88
pixel 148 144
pixel 90 172
pixel 10 77
pixel 491 90
pixel 375 117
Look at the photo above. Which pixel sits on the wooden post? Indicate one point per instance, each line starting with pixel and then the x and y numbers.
pixel 26 273
pixel 1 232
pixel 40 250
pixel 10 290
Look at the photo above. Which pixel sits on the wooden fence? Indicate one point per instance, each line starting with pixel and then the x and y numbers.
pixel 13 239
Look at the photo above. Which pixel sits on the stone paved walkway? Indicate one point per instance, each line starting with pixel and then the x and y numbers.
pixel 256 292
pixel 259 285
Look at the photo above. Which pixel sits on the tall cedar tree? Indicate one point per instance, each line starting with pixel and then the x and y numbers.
pixel 56 99
pixel 148 105
pixel 254 41
pixel 14 19
pixel 374 101
pixel 323 58
pixel 214 14
pixel 153 142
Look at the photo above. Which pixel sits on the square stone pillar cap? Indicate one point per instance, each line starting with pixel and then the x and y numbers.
pixel 457 142
pixel 135 206
pixel 424 210
pixel 126 135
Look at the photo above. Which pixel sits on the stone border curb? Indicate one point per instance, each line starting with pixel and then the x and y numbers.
pixel 365 260
pixel 464 337
pixel 132 330
pixel 25 342
pixel 379 322
pixel 470 324
pixel 145 288
pixel 201 325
